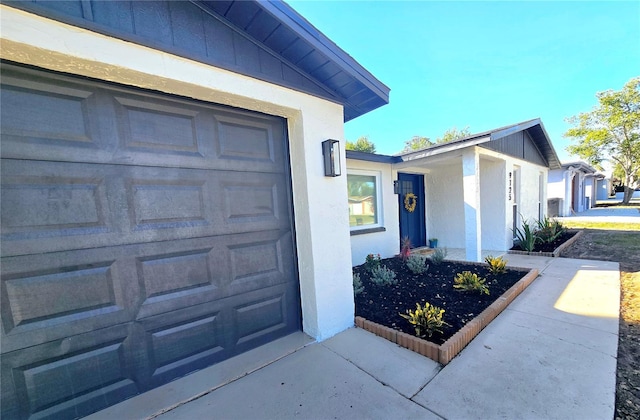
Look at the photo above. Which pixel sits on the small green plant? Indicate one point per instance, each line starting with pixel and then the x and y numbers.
pixel 496 264
pixel 416 263
pixel 358 287
pixel 470 282
pixel 526 237
pixel 548 230
pixel 372 262
pixel 405 248
pixel 383 276
pixel 438 255
pixel 425 320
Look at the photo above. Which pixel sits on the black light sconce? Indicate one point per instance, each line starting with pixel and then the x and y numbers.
pixel 331 154
pixel 396 187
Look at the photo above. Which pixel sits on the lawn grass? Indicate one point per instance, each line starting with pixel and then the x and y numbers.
pixel 574 224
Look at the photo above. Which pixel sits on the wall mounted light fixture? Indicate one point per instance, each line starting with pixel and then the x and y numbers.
pixel 396 187
pixel 331 154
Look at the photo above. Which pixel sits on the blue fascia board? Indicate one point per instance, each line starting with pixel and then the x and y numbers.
pixel 372 157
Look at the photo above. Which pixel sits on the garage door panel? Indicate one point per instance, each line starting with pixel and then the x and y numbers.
pixel 59 114
pixel 183 341
pixel 161 128
pixel 107 205
pixel 193 271
pixel 49 206
pixel 258 264
pixel 260 317
pixel 51 296
pixel 53 117
pixel 68 378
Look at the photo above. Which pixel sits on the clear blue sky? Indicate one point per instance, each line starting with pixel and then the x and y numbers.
pixel 481 64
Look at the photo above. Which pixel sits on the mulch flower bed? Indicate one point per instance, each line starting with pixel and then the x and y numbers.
pixel 551 246
pixel 383 304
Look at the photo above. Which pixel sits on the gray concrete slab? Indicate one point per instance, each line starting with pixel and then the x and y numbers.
pixel 385 361
pixel 533 361
pixel 313 383
pixel 575 291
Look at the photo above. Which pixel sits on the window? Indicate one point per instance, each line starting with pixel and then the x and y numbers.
pixel 364 200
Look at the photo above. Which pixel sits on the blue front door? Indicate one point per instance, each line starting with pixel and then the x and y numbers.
pixel 411 207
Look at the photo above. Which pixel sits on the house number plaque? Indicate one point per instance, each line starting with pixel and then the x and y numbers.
pixel 510 181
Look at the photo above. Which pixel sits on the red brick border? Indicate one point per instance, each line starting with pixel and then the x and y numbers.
pixel 449 349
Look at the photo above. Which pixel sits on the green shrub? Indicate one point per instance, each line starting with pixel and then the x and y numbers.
pixel 548 230
pixel 526 237
pixel 425 320
pixel 438 255
pixel 358 287
pixel 383 276
pixel 372 262
pixel 496 264
pixel 470 282
pixel 416 264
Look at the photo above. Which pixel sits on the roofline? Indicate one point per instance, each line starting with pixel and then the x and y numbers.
pixel 580 164
pixel 372 157
pixel 553 162
pixel 296 22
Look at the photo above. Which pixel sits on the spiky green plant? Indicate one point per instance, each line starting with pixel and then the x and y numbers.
pixel 426 320
pixel 548 230
pixel 496 264
pixel 470 282
pixel 526 237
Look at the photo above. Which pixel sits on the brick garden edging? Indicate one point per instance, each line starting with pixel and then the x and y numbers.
pixel 556 252
pixel 449 349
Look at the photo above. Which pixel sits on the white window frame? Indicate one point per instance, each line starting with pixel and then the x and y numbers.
pixel 379 198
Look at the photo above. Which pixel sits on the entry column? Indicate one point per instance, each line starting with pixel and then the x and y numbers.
pixel 471 192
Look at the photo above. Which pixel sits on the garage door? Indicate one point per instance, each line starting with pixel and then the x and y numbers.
pixel 143 237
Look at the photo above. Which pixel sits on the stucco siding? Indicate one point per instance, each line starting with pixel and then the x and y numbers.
pixel 555 186
pixel 385 243
pixel 530 191
pixel 445 206
pixel 492 196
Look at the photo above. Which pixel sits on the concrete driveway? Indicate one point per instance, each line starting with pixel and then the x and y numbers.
pixel 550 354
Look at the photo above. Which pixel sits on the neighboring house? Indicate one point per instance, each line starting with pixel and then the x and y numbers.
pixel 574 188
pixel 164 201
pixel 470 193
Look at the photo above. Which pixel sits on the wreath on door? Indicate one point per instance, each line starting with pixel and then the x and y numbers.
pixel 410 201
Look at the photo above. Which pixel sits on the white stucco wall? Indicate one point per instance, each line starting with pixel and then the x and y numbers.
pixel 445 205
pixel 384 243
pixel 555 185
pixel 493 193
pixel 531 191
pixel 321 211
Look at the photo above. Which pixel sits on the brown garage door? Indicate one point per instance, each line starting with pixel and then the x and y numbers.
pixel 143 237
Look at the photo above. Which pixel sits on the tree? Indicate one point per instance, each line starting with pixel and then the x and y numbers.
pixel 611 132
pixel 453 134
pixel 417 143
pixel 363 144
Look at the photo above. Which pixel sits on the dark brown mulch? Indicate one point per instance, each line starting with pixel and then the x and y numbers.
pixel 382 304
pixel 550 246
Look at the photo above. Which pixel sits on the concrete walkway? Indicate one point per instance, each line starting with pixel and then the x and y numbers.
pixel 550 354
